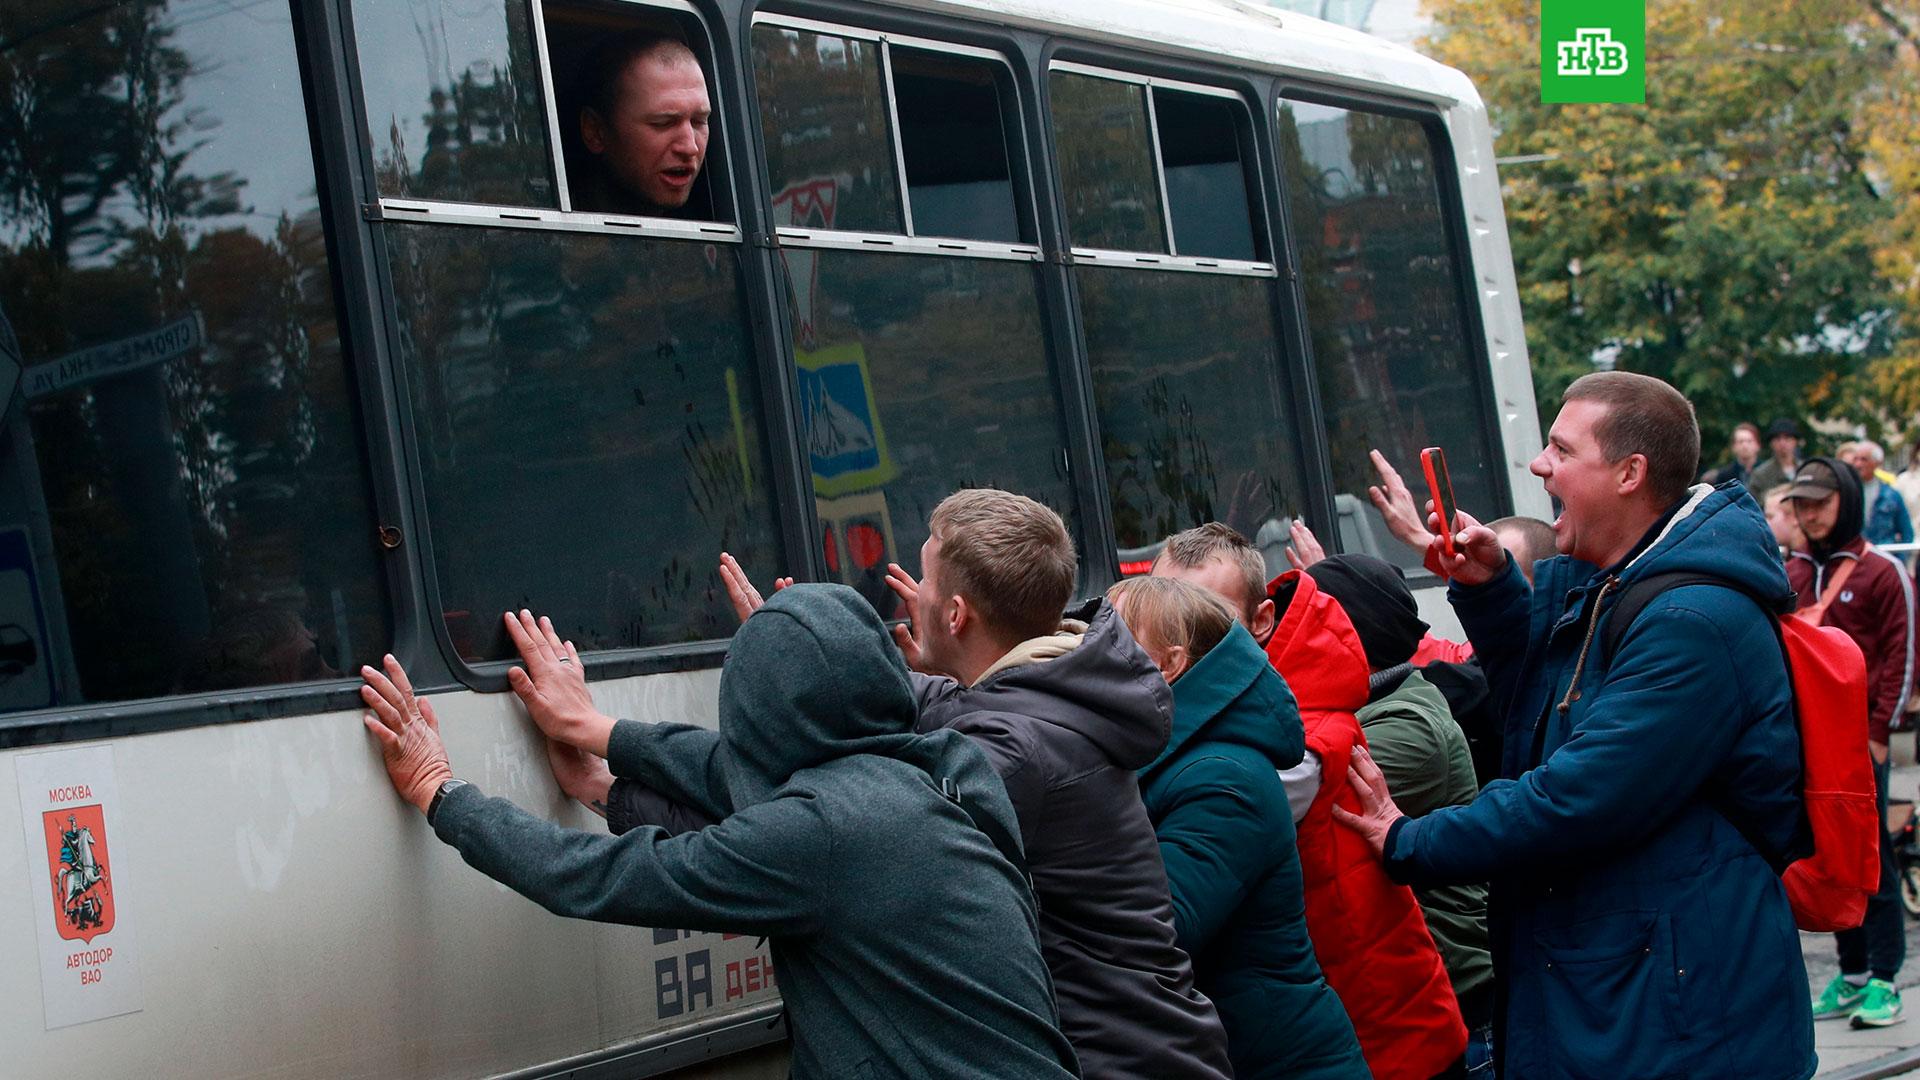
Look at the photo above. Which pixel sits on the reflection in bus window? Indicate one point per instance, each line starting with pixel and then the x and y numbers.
pixel 633 107
pixel 823 117
pixel 589 425
pixel 1107 169
pixel 954 139
pixel 1196 419
pixel 1206 181
pixel 183 501
pixel 453 104
pixel 918 375
pixel 1390 344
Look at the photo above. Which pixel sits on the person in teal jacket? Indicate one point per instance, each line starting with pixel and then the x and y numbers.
pixel 1226 836
pixel 881 864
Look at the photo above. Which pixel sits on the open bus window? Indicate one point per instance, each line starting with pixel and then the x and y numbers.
pixel 184 501
pixel 1384 307
pixel 1206 179
pixel 1105 146
pixel 823 118
pixel 633 106
pixel 453 101
pixel 1196 416
pixel 954 140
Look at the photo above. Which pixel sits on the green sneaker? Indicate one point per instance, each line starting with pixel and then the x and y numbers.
pixel 1879 1006
pixel 1840 999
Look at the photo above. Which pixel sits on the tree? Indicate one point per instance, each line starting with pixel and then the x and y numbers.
pixel 1722 236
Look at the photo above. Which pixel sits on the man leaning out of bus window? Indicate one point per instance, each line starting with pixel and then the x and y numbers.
pixel 644 112
pixel 881 863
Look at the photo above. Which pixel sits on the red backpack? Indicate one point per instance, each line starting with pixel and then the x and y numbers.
pixel 1829 888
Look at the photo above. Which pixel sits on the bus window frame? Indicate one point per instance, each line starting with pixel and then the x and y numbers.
pixel 1433 122
pixel 908 241
pixel 1171 259
pixel 720 176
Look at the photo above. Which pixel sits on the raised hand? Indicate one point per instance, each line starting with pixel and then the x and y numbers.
pixel 1395 503
pixel 408 733
pixel 740 591
pixel 1377 812
pixel 553 685
pixel 1305 550
pixel 907 636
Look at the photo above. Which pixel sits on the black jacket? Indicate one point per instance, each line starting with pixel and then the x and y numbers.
pixel 1067 735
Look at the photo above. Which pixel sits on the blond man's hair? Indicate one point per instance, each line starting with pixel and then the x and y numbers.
pixel 1196 547
pixel 1167 612
pixel 1010 556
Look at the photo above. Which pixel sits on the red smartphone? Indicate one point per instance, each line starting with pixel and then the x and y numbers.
pixel 1440 485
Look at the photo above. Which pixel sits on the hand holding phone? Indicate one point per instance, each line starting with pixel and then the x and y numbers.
pixel 1433 461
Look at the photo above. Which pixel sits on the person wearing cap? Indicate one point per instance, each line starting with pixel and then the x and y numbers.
pixel 1783 439
pixel 1848 583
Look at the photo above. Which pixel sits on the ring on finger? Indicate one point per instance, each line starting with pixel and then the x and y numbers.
pixel 566 659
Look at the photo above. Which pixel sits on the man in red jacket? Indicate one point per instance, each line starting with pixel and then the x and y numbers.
pixel 1368 933
pixel 1850 584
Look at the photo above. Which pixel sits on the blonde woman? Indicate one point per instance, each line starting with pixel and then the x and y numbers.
pixel 1226 835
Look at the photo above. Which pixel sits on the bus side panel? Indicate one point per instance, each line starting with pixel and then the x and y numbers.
pixel 294 918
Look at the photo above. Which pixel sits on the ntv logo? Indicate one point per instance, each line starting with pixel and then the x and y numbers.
pixel 1592 52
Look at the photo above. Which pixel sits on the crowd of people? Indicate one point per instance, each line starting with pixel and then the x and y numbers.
pixel 1213 824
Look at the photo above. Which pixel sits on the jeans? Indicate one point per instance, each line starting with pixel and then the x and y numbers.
pixel 1480 1052
pixel 1879 945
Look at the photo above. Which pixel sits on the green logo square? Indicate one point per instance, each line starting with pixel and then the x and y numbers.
pixel 1593 50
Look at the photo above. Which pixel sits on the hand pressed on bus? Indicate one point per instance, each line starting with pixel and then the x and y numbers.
pixel 552 685
pixel 581 776
pixel 408 733
pixel 907 635
pixel 740 591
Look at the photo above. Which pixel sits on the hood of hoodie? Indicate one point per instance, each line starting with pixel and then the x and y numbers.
pixel 1852 520
pixel 811 677
pixel 1106 689
pixel 1315 647
pixel 1233 696
pixel 1719 531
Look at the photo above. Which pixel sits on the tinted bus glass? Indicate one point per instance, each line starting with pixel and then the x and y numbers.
pixel 1396 367
pixel 1196 419
pixel 183 501
pixel 919 375
pixel 1206 180
pixel 589 425
pixel 823 117
pixel 453 104
pixel 954 142
pixel 1107 169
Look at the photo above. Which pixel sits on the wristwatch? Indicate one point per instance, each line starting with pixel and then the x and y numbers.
pixel 445 789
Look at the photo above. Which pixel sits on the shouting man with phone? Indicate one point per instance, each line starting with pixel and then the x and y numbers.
pixel 1642 926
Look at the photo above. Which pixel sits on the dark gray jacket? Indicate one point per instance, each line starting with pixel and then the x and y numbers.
pixel 1067 735
pixel 905 940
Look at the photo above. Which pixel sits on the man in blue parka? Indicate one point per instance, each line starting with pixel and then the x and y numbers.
pixel 1638 931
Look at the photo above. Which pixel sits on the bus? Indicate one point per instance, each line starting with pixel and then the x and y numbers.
pixel 314 347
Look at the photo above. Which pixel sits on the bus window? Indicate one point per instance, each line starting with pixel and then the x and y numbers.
pixel 1390 343
pixel 590 430
pixel 184 504
pixel 1206 180
pixel 823 118
pixel 955 145
pixel 1104 140
pixel 1196 419
pixel 918 375
pixel 452 101
pixel 628 83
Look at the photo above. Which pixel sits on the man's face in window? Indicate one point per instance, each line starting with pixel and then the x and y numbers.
pixel 656 140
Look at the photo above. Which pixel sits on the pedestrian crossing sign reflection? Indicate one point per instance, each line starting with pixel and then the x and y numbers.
pixel 840 419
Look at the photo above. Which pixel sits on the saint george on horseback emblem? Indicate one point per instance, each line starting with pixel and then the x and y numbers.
pixel 77 863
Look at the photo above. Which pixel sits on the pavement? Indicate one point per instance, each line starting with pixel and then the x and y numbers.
pixel 1846 1054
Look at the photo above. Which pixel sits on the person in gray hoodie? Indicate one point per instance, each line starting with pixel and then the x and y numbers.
pixel 878 861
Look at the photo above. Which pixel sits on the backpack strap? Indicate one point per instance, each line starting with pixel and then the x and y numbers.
pixel 1627 607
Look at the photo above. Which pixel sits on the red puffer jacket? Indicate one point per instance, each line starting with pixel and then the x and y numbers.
pixel 1368 932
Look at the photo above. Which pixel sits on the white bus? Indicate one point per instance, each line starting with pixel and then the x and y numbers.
pixel 316 347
